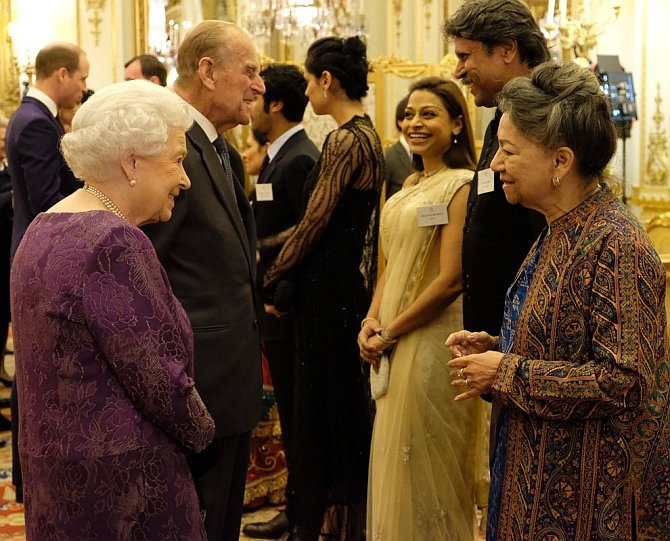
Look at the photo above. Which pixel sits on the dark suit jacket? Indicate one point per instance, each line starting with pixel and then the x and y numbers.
pixel 496 239
pixel 40 176
pixel 208 249
pixel 6 214
pixel 398 168
pixel 287 172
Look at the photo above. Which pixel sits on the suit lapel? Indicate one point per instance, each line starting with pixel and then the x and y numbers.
pixel 46 112
pixel 286 147
pixel 216 174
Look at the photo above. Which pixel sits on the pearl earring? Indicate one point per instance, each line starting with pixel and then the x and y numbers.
pixel 325 94
pixel 455 140
pixel 556 182
pixel 133 182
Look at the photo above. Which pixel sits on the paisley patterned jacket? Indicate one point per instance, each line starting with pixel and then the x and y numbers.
pixel 587 382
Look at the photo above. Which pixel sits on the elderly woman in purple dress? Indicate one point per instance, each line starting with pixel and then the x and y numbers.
pixel 104 351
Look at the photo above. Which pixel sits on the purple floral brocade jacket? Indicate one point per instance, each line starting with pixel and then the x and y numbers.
pixel 108 408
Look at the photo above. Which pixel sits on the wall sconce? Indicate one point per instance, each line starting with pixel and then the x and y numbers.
pixel 576 36
pixel 28 34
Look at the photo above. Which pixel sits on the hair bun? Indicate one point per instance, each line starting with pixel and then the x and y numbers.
pixel 354 46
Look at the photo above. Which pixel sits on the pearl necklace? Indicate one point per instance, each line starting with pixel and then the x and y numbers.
pixel 111 207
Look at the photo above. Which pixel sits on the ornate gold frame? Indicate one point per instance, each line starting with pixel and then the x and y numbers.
pixel 9 81
pixel 141 16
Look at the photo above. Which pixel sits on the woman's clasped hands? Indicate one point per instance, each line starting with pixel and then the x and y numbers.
pixel 370 344
pixel 474 362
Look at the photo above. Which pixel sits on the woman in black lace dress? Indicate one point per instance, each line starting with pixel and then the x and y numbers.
pixel 331 257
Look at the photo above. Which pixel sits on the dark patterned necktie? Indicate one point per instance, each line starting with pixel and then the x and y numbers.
pixel 265 163
pixel 222 150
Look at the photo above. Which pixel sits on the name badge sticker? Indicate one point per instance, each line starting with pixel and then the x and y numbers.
pixel 485 180
pixel 264 192
pixel 432 215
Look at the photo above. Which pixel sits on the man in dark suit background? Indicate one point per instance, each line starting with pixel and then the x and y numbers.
pixel 208 249
pixel 6 218
pixel 40 177
pixel 146 66
pixel 495 41
pixel 278 203
pixel 398 156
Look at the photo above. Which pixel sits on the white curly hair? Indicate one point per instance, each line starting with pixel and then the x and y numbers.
pixel 131 116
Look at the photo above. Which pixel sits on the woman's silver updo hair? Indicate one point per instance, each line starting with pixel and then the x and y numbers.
pixel 132 116
pixel 563 105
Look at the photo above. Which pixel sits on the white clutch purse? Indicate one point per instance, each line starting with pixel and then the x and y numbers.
pixel 379 381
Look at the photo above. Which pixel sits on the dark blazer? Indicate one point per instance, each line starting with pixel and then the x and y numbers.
pixel 40 176
pixel 398 168
pixel 287 172
pixel 6 214
pixel 496 239
pixel 208 249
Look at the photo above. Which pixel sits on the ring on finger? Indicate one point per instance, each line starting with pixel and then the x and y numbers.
pixel 461 373
pixel 467 383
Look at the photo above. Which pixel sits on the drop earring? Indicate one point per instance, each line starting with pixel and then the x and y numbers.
pixel 556 182
pixel 325 94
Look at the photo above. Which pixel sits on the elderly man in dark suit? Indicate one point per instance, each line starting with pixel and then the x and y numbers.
pixel 40 177
pixel 278 202
pixel 398 156
pixel 208 249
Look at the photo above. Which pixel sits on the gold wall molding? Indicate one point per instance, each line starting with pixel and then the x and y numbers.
pixel 141 13
pixel 428 14
pixel 9 76
pixel 95 20
pixel 397 18
pixel 657 163
pixel 653 193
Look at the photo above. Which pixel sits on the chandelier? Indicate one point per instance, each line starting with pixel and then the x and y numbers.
pixel 301 21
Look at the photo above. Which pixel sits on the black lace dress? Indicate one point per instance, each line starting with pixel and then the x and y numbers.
pixel 331 255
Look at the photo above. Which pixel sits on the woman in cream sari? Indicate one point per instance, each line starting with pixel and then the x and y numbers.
pixel 424 451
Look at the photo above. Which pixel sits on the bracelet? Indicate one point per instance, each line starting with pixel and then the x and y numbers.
pixel 369 319
pixel 384 337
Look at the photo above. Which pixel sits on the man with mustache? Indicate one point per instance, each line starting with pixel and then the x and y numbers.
pixel 495 41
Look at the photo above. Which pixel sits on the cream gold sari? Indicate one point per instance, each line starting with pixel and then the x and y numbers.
pixel 426 449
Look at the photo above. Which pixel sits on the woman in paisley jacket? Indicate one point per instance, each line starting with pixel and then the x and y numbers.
pixel 579 370
pixel 103 349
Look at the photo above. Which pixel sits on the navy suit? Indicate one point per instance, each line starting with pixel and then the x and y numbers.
pixel 40 176
pixel 208 249
pixel 6 214
pixel 287 172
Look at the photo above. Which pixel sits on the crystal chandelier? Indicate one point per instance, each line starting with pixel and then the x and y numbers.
pixel 301 21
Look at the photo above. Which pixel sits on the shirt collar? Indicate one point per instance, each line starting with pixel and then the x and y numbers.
pixel 44 98
pixel 203 122
pixel 405 144
pixel 279 142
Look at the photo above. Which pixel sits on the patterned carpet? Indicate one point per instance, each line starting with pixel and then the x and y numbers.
pixel 11 513
pixel 12 525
